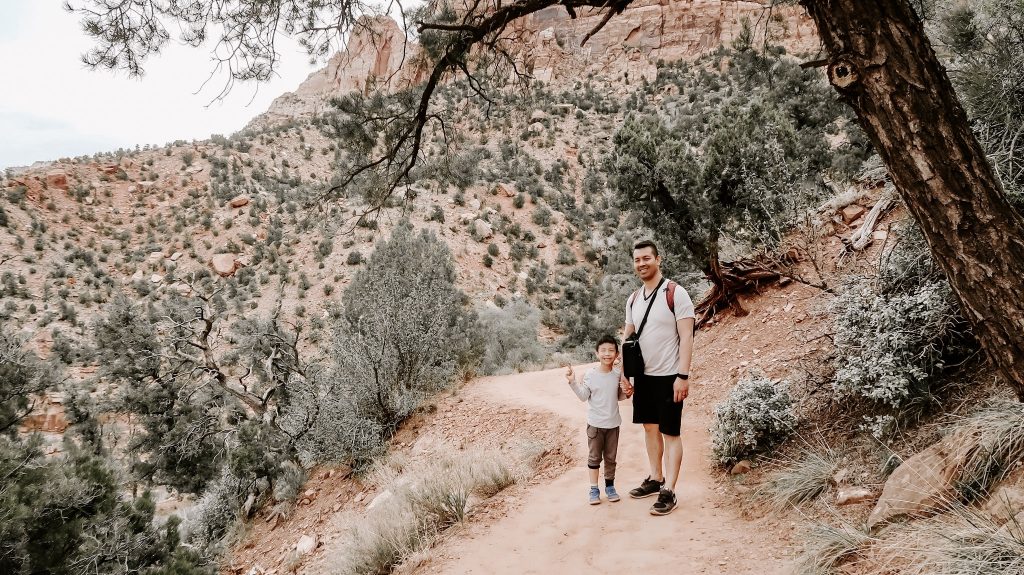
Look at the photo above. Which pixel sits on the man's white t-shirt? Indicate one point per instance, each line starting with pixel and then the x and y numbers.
pixel 659 341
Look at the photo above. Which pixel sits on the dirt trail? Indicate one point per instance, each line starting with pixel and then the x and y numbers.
pixel 555 531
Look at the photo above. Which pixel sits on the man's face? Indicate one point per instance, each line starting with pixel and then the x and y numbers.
pixel 645 263
pixel 606 353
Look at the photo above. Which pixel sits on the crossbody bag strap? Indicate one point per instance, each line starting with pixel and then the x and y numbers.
pixel 654 296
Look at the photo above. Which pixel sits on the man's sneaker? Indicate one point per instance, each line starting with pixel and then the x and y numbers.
pixel 595 495
pixel 665 504
pixel 613 495
pixel 647 488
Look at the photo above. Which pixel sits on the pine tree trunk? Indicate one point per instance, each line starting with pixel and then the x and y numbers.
pixel 881 62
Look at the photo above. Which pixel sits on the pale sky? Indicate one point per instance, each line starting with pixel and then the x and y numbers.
pixel 52 106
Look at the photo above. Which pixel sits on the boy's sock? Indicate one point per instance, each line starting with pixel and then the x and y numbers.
pixel 609 482
pixel 593 486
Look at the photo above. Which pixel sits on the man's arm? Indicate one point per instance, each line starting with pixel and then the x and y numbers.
pixel 681 387
pixel 624 384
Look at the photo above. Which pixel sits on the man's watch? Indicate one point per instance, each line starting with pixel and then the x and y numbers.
pixel 683 376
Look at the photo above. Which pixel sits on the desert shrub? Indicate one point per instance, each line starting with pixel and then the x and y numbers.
pixel 894 337
pixel 216 512
pixel 542 216
pixel 403 331
pixel 757 416
pixel 354 258
pixel 510 336
pixel 887 342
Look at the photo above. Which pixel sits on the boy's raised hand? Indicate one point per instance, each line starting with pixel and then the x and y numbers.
pixel 569 375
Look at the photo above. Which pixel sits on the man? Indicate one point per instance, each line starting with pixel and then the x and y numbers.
pixel 666 342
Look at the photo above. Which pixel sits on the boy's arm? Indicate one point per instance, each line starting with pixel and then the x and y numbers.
pixel 581 390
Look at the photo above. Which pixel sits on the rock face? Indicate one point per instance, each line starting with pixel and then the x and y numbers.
pixel 925 483
pixel 379 56
pixel 48 417
pixel 57 179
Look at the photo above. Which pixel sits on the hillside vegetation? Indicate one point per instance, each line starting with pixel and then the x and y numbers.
pixel 189 332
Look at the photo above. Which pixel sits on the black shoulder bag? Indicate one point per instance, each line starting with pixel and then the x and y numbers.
pixel 632 357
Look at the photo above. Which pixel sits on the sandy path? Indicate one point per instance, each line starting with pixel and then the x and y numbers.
pixel 556 531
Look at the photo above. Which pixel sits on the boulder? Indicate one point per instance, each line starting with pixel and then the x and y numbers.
pixel 474 205
pixel 306 544
pixel 224 264
pixel 156 278
pixel 1012 529
pixel 538 115
pixel 380 498
pixel 504 190
pixel 465 218
pixel 740 468
pixel 57 179
pixel 925 483
pixel 482 229
pixel 851 495
pixel 852 212
pixel 537 128
pixel 239 201
pixel 1004 504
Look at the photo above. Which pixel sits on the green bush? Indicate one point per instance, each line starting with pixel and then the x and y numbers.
pixel 510 337
pixel 895 336
pixel 757 416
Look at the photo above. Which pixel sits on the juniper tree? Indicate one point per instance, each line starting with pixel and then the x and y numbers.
pixel 727 160
pixel 66 513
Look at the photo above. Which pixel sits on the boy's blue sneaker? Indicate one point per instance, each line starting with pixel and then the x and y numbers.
pixel 613 495
pixel 595 495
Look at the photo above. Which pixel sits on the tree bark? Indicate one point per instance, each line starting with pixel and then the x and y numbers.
pixel 882 64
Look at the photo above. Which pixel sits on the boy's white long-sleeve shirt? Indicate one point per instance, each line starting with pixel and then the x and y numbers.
pixel 601 391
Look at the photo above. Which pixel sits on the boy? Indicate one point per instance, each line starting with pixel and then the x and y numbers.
pixel 600 387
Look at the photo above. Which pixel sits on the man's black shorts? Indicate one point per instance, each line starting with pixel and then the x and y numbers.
pixel 652 403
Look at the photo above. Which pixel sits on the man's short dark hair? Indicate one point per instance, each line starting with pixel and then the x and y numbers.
pixel 646 244
pixel 608 339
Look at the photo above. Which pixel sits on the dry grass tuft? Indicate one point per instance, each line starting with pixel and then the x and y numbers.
pixel 827 546
pixel 425 501
pixel 800 480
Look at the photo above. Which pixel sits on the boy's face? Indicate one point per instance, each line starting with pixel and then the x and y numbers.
pixel 607 353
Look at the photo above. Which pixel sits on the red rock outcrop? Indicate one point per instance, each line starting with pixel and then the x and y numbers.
pixel 379 55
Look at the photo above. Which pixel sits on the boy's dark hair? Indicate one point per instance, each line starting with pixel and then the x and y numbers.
pixel 646 244
pixel 608 339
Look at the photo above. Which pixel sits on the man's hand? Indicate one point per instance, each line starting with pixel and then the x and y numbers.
pixel 569 375
pixel 680 389
pixel 626 387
